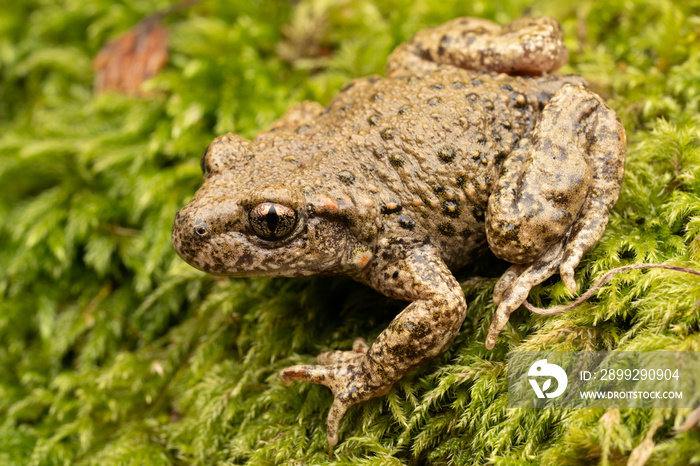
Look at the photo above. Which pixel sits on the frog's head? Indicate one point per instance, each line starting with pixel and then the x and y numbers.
pixel 252 217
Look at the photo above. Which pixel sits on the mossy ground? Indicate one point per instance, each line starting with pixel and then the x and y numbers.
pixel 114 351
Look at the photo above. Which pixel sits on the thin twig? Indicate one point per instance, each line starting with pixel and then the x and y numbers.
pixel 584 297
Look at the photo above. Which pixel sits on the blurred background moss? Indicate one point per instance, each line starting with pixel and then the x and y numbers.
pixel 113 351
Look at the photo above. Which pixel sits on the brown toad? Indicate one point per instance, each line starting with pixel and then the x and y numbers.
pixel 467 143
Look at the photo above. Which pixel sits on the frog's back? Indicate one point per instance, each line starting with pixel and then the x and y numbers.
pixel 428 148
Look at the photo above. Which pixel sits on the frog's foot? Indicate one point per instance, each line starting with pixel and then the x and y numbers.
pixel 352 379
pixel 514 286
pixel 526 46
pixel 551 202
pixel 359 348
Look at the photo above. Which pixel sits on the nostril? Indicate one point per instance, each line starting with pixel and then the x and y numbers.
pixel 201 230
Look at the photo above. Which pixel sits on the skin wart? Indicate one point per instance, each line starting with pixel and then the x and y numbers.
pixel 468 143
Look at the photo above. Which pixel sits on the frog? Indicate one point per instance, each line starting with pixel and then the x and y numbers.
pixel 470 143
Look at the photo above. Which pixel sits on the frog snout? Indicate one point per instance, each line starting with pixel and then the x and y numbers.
pixel 199 223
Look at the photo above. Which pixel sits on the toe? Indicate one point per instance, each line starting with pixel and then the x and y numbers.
pixel 505 282
pixel 360 345
pixel 306 373
pixel 335 415
pixel 567 276
pixel 359 348
pixel 512 300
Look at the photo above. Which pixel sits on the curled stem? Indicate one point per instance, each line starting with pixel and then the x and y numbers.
pixel 585 296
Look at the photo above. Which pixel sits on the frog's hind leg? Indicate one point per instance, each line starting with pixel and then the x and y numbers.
pixel 551 202
pixel 526 46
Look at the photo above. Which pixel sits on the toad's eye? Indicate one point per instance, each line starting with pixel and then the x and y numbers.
pixel 272 221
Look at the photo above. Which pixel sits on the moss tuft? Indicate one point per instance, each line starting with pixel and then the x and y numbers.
pixel 116 352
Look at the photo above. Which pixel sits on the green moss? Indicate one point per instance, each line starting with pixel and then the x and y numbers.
pixel 116 352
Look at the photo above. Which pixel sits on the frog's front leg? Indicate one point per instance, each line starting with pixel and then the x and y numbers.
pixel 419 333
pixel 551 202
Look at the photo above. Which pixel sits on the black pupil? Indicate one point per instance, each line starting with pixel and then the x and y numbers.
pixel 272 219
